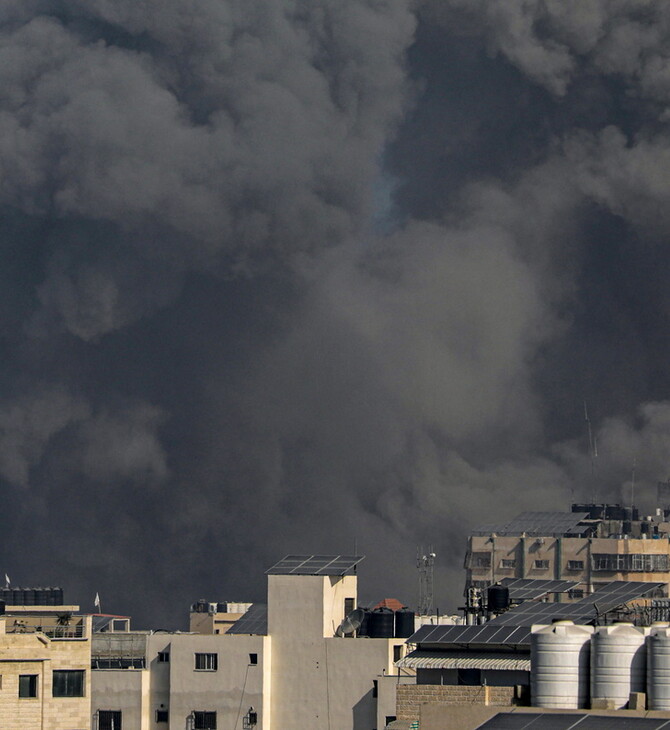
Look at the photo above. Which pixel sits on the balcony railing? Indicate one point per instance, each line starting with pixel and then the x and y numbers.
pixel 75 631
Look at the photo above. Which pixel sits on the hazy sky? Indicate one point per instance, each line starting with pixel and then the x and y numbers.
pixel 293 275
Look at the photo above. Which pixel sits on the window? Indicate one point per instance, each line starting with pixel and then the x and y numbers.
pixel 348 606
pixel 204 720
pixel 397 652
pixel 163 657
pixel 27 685
pixel 162 716
pixel 207 662
pixel 576 593
pixel 481 560
pixel 375 688
pixel 542 565
pixel 109 720
pixel 253 658
pixel 508 563
pixel 575 565
pixel 69 683
pixel 390 719
pixel 634 563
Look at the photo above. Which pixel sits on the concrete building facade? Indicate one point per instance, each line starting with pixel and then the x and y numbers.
pixel 592 545
pixel 294 671
pixel 45 674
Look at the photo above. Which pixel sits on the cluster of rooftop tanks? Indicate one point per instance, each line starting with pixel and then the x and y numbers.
pixel 572 666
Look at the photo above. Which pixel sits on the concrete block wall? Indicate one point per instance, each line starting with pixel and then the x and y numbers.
pixel 410 697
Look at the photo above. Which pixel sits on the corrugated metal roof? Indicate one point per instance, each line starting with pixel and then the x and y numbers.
pixel 464 660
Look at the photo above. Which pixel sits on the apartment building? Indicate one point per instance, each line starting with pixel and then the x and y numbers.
pixel 593 544
pixel 284 664
pixel 45 675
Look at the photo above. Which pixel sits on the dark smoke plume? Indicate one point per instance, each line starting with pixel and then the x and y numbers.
pixel 289 276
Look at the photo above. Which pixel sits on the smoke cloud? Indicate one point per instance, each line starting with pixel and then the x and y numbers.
pixel 298 276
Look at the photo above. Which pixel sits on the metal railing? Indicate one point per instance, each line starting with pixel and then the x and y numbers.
pixel 53 632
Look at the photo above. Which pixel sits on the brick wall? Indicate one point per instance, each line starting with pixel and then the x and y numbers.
pixel 410 697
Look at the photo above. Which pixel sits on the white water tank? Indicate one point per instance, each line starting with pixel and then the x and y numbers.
pixel 658 667
pixel 559 665
pixel 618 663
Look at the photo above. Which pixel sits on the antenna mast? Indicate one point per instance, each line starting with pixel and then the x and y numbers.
pixel 632 483
pixel 593 453
pixel 424 564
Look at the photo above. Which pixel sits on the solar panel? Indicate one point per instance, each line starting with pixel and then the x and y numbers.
pixel 607 598
pixel 254 621
pixel 572 721
pixel 472 635
pixel 535 523
pixel 316 565
pixel 525 589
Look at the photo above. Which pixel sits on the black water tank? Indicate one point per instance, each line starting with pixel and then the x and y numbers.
pixel 404 623
pixel 626 527
pixel 636 513
pixel 2 608
pixel 381 625
pixel 18 597
pixel 57 596
pixel 29 596
pixel 497 598
pixel 222 608
pixel 365 624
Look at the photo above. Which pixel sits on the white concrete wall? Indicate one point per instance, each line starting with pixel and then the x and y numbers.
pixel 231 689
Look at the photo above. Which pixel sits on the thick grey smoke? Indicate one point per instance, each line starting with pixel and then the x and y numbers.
pixel 294 276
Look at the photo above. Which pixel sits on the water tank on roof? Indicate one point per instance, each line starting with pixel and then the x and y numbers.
pixel 658 668
pixel 404 623
pixel 18 597
pixel 221 607
pixel 57 594
pixel 364 630
pixel 497 597
pixel 2 607
pixel 201 606
pixel 41 597
pixel 618 663
pixel 381 623
pixel 559 658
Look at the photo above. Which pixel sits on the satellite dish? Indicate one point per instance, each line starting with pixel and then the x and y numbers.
pixel 352 622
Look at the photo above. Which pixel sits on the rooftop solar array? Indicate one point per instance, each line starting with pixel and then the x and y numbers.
pixel 316 565
pixel 254 621
pixel 576 721
pixel 512 636
pixel 525 589
pixel 513 627
pixel 607 598
pixel 535 524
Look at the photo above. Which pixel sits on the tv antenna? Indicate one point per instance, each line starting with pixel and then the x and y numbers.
pixel 424 564
pixel 632 483
pixel 593 453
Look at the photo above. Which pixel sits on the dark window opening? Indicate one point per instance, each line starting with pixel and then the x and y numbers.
pixel 204 720
pixel 253 658
pixel 27 685
pixel 397 652
pixel 207 662
pixel 68 683
pixel 162 716
pixel 163 657
pixel 375 688
pixel 470 677
pixel 348 606
pixel 109 720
